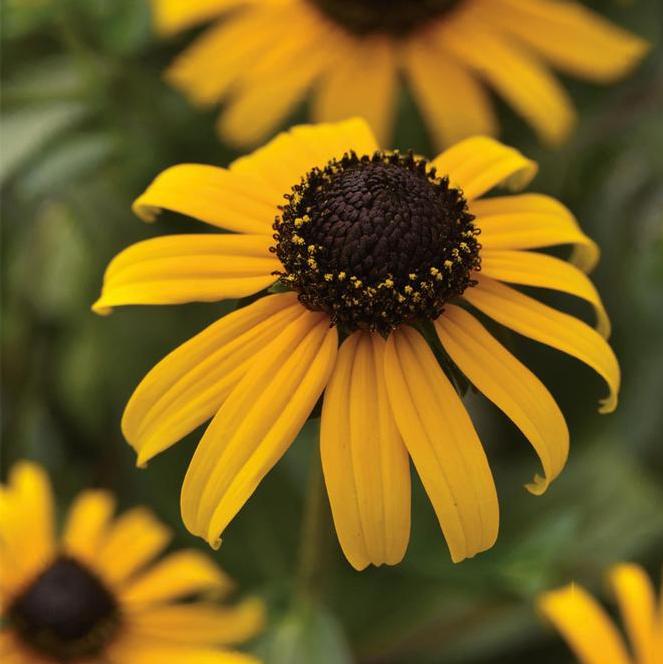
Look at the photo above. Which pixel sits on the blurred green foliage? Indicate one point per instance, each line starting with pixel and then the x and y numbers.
pixel 87 122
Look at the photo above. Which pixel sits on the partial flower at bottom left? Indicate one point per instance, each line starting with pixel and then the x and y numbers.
pixel 99 592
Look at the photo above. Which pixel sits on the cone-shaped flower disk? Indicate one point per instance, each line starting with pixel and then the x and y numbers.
pixel 379 253
pixel 588 629
pixel 263 56
pixel 95 594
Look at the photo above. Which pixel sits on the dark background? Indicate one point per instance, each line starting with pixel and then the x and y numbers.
pixel 88 122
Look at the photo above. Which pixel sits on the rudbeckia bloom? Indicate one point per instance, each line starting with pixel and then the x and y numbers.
pixel 588 629
pixel 379 252
pixel 263 57
pixel 95 594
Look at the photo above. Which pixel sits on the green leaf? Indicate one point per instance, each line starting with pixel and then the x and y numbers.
pixel 20 18
pixel 49 263
pixel 308 634
pixel 65 163
pixel 55 78
pixel 27 130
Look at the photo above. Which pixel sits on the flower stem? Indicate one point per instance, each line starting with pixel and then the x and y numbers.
pixel 315 534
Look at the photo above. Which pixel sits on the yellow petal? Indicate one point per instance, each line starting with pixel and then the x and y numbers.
pixel 347 90
pixel 9 584
pixel 637 604
pixel 136 649
pixel 443 444
pixel 570 36
pixel 200 623
pixel 584 625
pixel 214 195
pixel 303 148
pixel 217 59
pixel 257 423
pixel 176 269
pixel 12 651
pixel 26 522
pixel 132 541
pixel 278 80
pixel 181 574
pixel 478 164
pixel 334 139
pixel 171 16
pixel 251 249
pixel 87 523
pixel 365 463
pixel 538 321
pixel 516 73
pixel 529 221
pixel 511 386
pixel 189 385
pixel 281 163
pixel 452 100
pixel 532 269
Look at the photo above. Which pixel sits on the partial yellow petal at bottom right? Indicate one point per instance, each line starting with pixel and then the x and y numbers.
pixel 584 625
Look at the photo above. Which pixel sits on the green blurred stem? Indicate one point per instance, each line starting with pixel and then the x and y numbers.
pixel 314 536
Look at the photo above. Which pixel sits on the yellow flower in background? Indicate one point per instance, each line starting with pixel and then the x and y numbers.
pixel 380 251
pixel 589 631
pixel 95 594
pixel 264 56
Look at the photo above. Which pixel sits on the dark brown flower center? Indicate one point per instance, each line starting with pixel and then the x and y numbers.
pixel 66 613
pixel 376 241
pixel 396 17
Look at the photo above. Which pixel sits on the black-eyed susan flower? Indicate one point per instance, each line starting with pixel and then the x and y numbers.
pixel 262 58
pixel 385 254
pixel 95 594
pixel 590 632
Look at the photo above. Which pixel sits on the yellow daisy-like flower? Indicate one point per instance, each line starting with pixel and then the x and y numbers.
pixel 264 56
pixel 380 251
pixel 95 594
pixel 588 629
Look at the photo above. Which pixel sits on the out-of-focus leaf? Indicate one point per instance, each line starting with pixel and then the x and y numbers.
pixel 307 634
pixel 81 372
pixel 26 130
pixel 125 26
pixel 48 263
pixel 67 162
pixel 20 17
pixel 53 78
pixel 588 522
pixel 582 525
